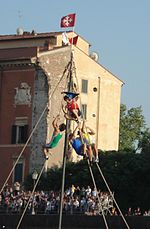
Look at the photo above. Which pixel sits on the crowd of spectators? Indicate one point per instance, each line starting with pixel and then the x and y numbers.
pixel 76 200
pixel 137 212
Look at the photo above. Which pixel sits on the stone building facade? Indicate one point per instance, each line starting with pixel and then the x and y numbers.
pixel 33 73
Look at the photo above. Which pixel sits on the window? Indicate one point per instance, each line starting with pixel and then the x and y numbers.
pixel 19 131
pixel 84 86
pixel 18 172
pixel 84 111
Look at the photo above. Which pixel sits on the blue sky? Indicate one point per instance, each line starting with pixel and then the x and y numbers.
pixel 117 30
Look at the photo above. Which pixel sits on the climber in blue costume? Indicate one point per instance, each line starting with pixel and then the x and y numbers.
pixel 78 143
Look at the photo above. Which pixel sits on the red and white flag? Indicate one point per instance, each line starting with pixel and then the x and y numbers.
pixel 73 40
pixel 68 21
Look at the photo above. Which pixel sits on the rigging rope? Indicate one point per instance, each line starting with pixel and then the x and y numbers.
pixel 62 97
pixel 112 195
pixel 29 138
pixel 104 218
pixel 109 189
pixel 77 90
pixel 31 196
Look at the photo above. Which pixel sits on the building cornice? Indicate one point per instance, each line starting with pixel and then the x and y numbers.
pixel 24 63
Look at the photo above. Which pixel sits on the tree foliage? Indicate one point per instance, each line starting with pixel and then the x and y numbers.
pixel 144 143
pixel 132 125
pixel 123 171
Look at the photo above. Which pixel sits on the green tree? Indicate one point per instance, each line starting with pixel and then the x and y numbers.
pixel 132 125
pixel 126 173
pixel 144 143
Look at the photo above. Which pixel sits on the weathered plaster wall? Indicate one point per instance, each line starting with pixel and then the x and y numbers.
pixel 54 64
pixel 39 103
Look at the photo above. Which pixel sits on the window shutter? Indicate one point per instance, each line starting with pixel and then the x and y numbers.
pixel 13 134
pixel 18 173
pixel 84 86
pixel 25 133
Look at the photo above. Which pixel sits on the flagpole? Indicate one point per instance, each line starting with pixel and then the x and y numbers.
pixel 72 36
pixel 73 29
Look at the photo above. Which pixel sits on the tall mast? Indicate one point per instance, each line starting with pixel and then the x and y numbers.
pixel 65 146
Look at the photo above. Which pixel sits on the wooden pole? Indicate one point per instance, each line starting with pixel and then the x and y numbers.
pixel 65 150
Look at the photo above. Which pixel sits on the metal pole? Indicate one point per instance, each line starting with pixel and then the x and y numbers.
pixel 65 151
pixel 33 210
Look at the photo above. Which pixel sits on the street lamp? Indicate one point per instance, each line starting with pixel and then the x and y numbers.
pixel 34 177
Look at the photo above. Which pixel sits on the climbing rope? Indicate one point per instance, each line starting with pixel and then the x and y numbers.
pixel 104 218
pixel 112 195
pixel 66 83
pixel 31 197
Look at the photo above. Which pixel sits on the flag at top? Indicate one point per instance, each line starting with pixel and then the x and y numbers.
pixel 68 21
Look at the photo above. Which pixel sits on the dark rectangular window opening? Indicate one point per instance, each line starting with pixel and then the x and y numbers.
pixel 19 134
pixel 84 86
pixel 18 173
